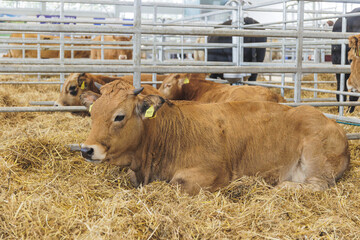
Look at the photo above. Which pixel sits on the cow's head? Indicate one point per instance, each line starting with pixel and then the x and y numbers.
pixel 74 86
pixel 117 124
pixel 124 54
pixel 354 46
pixel 172 86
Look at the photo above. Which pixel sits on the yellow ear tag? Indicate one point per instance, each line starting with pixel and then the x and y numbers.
pixel 90 107
pixel 150 112
pixel 83 85
pixel 186 81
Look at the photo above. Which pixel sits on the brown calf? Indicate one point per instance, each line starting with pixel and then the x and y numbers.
pixel 44 51
pixel 195 88
pixel 207 146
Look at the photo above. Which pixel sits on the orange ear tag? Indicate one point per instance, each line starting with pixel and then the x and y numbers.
pixel 83 85
pixel 186 81
pixel 90 107
pixel 150 112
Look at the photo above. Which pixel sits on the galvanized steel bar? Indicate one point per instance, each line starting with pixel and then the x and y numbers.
pixel 299 51
pixel 341 118
pixel 303 89
pixel 322 104
pixel 167 30
pixel 137 44
pixel 163 69
pixel 43 109
pixel 44 103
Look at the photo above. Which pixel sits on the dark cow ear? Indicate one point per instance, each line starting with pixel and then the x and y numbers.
pixel 98 85
pixel 88 98
pixel 148 107
pixel 137 91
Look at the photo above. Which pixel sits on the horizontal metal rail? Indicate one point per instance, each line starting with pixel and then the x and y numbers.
pixel 44 109
pixel 82 108
pixel 147 4
pixel 166 69
pixel 322 104
pixel 353 136
pixel 45 103
pixel 30 83
pixel 167 31
pixel 341 118
pixel 304 89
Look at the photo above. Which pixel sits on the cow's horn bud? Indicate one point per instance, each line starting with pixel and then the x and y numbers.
pixel 98 85
pixel 138 90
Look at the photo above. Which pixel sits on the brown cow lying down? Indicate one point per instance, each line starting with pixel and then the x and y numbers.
pixel 78 83
pixel 194 88
pixel 45 52
pixel 199 145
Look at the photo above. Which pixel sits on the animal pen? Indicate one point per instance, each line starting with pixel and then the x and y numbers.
pixel 167 32
pixel 296 37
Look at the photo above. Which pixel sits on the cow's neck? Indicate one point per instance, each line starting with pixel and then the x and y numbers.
pixel 154 159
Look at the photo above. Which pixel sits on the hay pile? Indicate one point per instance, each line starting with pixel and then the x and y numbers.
pixel 47 191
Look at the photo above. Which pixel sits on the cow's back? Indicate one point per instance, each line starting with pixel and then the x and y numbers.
pixel 217 93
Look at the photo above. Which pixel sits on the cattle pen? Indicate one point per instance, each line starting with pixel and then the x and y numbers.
pixel 48 191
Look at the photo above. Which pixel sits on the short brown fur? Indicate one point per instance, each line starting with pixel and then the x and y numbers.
pixel 206 146
pixel 198 89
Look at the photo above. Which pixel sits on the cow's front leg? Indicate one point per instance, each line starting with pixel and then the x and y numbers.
pixel 191 180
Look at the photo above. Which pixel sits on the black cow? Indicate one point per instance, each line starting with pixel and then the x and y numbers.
pixel 225 54
pixel 353 25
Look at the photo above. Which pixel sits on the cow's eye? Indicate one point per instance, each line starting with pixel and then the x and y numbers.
pixel 119 118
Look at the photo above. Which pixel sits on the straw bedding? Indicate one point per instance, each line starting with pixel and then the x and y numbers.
pixel 49 192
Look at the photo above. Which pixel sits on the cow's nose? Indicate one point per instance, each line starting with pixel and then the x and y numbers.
pixel 56 104
pixel 87 152
pixel 122 57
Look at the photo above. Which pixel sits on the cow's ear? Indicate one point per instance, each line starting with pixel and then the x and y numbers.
pixel 83 81
pixel 185 79
pixel 130 37
pixel 148 106
pixel 88 98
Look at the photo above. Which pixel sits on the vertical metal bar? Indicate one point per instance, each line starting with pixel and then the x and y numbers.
pixel 240 19
pixel 343 61
pixel 61 50
pixel 299 50
pixel 72 50
pixel 38 55
pixel 317 60
pixel 154 44
pixel 23 44
pixel 102 47
pixel 235 40
pixel 182 46
pixel 283 48
pixel 205 42
pixel 137 44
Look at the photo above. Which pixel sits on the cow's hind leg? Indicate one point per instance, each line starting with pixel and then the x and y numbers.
pixel 322 162
pixel 191 180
